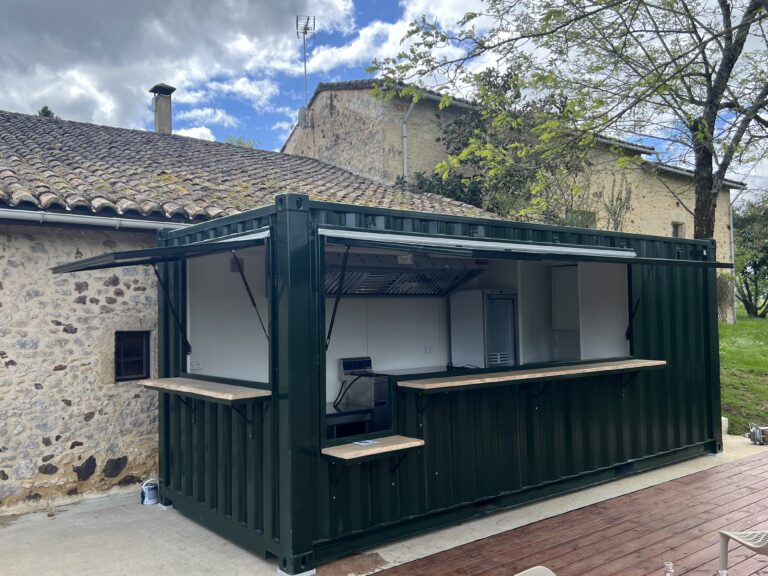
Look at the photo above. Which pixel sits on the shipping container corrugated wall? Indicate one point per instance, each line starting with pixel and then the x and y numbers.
pixel 485 448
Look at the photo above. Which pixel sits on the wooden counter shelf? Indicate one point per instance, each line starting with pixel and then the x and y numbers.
pixel 449 383
pixel 207 390
pixel 383 447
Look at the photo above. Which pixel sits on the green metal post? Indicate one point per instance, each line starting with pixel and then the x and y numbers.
pixel 297 382
pixel 714 348
pixel 170 354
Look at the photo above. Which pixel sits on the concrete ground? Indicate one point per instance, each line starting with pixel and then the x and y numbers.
pixel 116 535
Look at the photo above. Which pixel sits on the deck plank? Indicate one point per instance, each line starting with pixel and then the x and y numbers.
pixel 632 535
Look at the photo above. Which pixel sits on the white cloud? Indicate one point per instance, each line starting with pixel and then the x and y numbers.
pixel 201 116
pixel 757 180
pixel 257 92
pixel 377 40
pixel 199 132
pixel 95 61
pixel 380 39
pixel 283 129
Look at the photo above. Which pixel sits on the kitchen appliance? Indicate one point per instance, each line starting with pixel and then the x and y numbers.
pixel 483 329
pixel 362 404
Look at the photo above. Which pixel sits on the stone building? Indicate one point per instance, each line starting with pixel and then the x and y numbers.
pixel 73 420
pixel 383 139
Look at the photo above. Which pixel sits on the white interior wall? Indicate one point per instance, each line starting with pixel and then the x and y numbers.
pixel 604 310
pixel 396 333
pixel 565 312
pixel 467 328
pixel 535 312
pixel 223 329
pixel 498 275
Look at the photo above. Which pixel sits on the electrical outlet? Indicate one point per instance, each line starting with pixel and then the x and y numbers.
pixel 426 349
pixel 195 365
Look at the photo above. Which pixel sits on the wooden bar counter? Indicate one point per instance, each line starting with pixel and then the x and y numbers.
pixel 446 383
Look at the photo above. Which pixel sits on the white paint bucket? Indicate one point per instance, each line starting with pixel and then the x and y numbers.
pixel 150 491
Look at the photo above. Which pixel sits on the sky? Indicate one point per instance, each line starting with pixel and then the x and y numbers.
pixel 236 64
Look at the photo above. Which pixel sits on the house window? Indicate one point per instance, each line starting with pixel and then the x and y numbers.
pixel 131 355
pixel 581 218
pixel 678 230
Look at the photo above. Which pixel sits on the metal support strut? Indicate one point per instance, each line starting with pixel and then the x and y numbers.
pixel 422 404
pixel 248 421
pixel 400 459
pixel 629 334
pixel 339 290
pixel 250 294
pixel 191 407
pixel 179 327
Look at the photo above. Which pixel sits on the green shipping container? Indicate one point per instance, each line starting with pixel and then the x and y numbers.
pixel 603 362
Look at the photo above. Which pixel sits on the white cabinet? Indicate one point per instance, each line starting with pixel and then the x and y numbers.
pixel 483 329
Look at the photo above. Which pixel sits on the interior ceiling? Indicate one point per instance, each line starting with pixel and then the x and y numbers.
pixel 397 274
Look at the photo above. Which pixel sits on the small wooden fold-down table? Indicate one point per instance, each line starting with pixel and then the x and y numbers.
pixel 220 392
pixel 376 448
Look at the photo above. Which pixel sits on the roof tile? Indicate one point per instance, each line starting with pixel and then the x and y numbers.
pixel 57 163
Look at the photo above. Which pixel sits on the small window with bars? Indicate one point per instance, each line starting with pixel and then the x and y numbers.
pixel 678 230
pixel 131 355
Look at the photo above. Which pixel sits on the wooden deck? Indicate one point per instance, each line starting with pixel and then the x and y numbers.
pixel 632 535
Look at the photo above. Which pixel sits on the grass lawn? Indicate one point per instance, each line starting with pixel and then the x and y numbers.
pixel 744 372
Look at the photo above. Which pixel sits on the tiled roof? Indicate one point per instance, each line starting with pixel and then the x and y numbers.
pixel 58 164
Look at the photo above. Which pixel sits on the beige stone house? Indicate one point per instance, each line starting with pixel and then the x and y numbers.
pixel 72 418
pixel 348 126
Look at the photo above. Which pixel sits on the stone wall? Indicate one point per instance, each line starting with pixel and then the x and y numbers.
pixel 657 200
pixel 66 427
pixel 425 128
pixel 345 131
pixel 354 130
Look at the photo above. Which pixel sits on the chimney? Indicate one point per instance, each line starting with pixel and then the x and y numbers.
pixel 162 107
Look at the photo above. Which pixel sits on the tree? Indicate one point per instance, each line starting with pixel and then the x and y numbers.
pixel 46 112
pixel 689 73
pixel 508 154
pixel 750 231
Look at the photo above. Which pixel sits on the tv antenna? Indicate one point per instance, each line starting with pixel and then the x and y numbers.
pixel 305 26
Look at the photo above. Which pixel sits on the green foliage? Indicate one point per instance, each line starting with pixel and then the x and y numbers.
pixel 744 371
pixel 750 233
pixel 453 186
pixel 241 141
pixel 46 112
pixel 688 72
pixel 514 155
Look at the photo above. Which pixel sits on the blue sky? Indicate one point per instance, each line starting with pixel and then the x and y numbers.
pixel 269 125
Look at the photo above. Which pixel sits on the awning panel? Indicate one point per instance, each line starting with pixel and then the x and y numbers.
pixel 165 254
pixel 500 249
